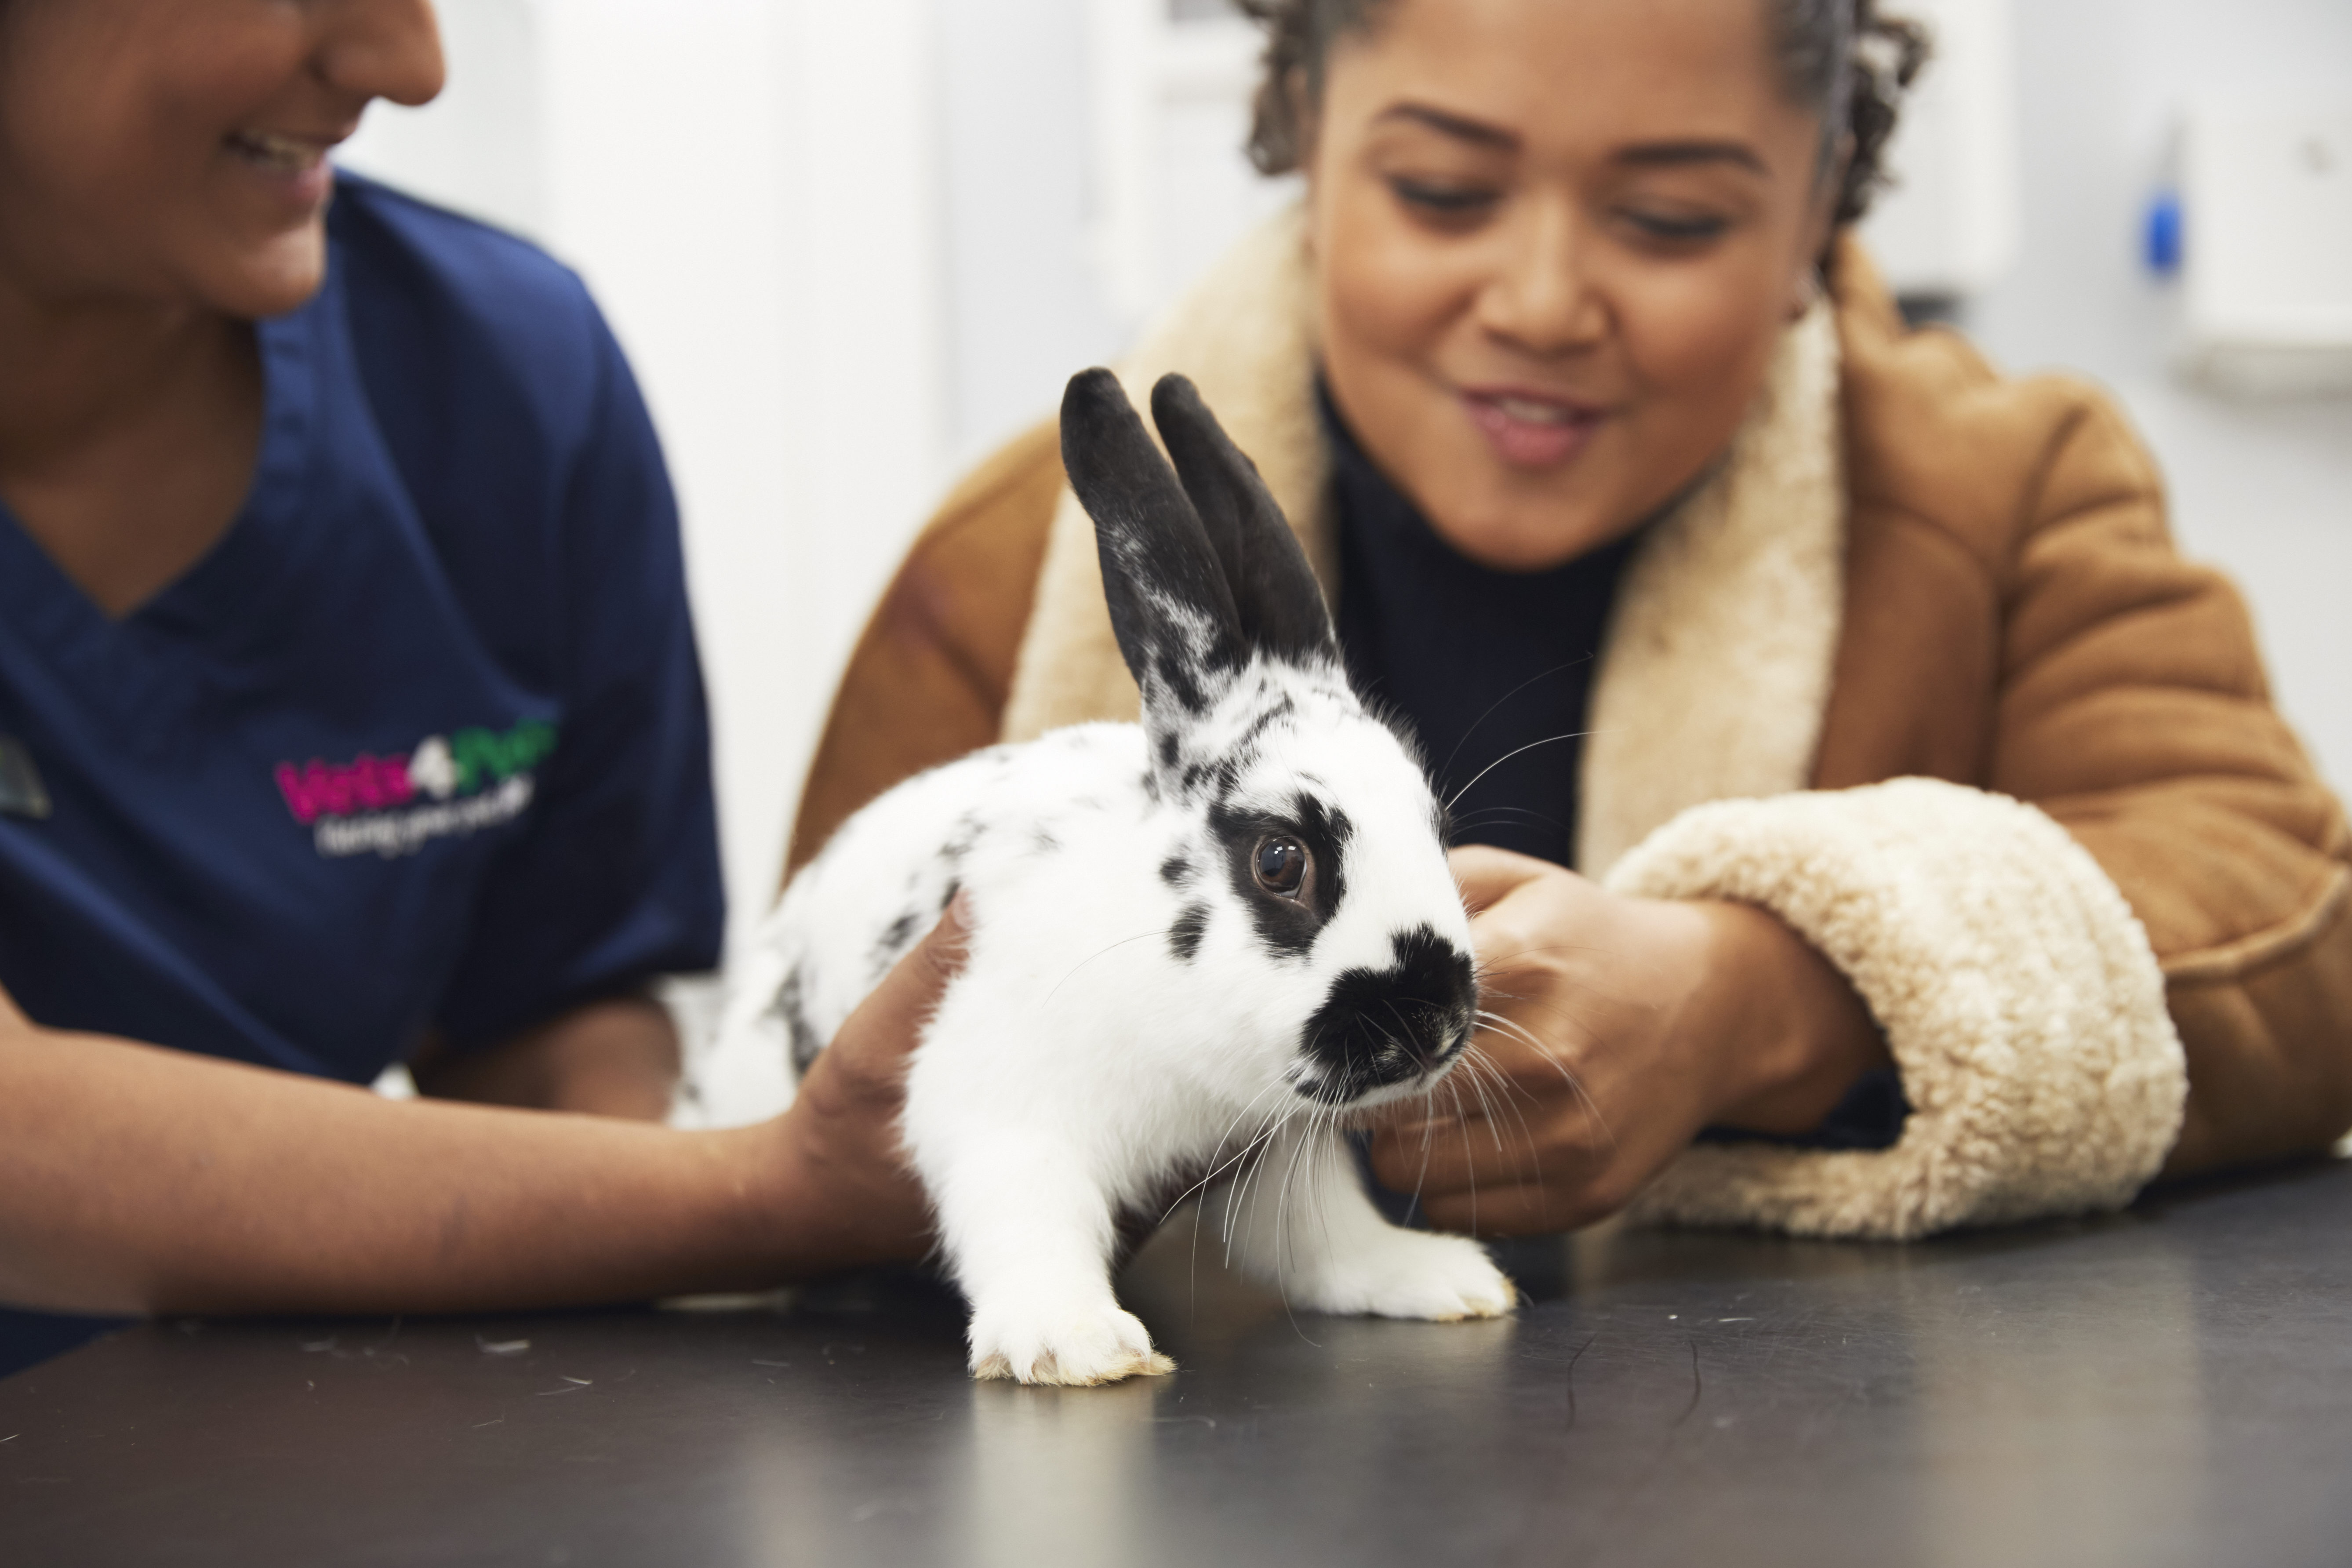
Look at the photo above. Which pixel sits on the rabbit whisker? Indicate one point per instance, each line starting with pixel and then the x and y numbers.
pixel 1486 814
pixel 1072 974
pixel 1509 1093
pixel 1282 1254
pixel 1506 696
pixel 1221 1165
pixel 1576 1087
pixel 1251 1157
pixel 1507 756
pixel 1486 1111
pixel 1246 1188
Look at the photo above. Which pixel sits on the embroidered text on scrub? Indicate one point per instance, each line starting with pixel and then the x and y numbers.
pixel 349 806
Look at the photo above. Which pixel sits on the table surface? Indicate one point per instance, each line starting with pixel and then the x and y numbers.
pixel 2171 1385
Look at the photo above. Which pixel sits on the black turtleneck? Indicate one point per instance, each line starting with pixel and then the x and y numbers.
pixel 1482 664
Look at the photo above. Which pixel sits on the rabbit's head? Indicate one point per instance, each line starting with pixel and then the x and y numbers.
pixel 1313 899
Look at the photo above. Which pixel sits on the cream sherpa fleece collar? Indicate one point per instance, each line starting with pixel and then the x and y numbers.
pixel 1716 670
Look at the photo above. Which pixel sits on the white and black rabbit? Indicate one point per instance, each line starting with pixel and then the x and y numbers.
pixel 1210 935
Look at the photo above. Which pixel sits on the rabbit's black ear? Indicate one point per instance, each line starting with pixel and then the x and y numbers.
pixel 1170 603
pixel 1274 592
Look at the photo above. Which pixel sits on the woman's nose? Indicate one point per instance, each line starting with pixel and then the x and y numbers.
pixel 381 48
pixel 1540 299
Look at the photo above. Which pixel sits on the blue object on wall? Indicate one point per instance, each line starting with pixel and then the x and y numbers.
pixel 2161 240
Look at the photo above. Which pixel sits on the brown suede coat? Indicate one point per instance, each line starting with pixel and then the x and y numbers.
pixel 2015 619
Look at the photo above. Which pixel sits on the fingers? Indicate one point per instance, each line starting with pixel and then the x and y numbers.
pixel 1465 1182
pixel 1525 1210
pixel 1455 1154
pixel 1486 875
pixel 943 951
pixel 877 1040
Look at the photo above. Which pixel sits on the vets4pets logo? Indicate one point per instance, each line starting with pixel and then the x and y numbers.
pixel 445 787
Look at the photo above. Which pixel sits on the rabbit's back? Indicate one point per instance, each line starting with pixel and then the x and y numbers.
pixel 990 822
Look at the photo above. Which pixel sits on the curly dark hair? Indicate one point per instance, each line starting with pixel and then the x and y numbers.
pixel 1840 58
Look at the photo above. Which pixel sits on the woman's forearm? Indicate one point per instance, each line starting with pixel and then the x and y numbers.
pixel 615 1057
pixel 134 1179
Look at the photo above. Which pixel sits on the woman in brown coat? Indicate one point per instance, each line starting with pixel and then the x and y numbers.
pixel 1938 856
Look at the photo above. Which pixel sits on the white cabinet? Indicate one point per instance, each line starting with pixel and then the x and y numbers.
pixel 2266 245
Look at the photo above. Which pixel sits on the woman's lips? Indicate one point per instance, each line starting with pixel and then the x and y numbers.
pixel 1529 430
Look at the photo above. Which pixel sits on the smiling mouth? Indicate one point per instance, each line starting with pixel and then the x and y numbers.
pixel 1531 432
pixel 1533 413
pixel 276 152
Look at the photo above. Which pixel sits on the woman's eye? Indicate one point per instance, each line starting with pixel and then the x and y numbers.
pixel 1443 199
pixel 1679 228
pixel 1280 865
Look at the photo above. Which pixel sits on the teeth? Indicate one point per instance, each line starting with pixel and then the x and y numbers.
pixel 1528 413
pixel 284 154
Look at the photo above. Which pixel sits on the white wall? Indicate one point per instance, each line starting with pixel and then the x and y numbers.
pixel 1025 307
pixel 2264 490
pixel 750 188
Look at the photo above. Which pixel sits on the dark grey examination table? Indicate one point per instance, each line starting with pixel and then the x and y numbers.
pixel 2172 1385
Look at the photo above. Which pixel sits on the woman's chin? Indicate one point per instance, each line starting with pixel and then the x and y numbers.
pixel 1505 527
pixel 268 277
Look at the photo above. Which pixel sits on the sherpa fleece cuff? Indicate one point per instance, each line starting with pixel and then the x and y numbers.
pixel 2019 994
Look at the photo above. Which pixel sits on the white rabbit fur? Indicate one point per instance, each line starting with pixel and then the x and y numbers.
pixel 1138 1009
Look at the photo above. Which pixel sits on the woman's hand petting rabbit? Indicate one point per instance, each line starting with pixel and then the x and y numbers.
pixel 1618 1028
pixel 839 1166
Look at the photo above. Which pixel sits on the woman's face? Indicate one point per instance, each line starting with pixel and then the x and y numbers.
pixel 1555 243
pixel 174 151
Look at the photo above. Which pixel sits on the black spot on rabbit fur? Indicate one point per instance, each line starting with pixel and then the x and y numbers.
pixel 1176 871
pixel 1184 936
pixel 1380 1026
pixel 961 840
pixel 1175 671
pixel 1265 721
pixel 895 938
pixel 1220 778
pixel 806 1046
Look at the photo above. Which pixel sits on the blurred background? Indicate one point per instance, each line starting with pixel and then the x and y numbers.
pixel 851 247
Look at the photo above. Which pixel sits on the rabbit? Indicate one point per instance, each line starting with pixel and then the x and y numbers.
pixel 1215 935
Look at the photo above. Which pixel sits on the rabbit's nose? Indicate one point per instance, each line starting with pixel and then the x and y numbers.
pixel 1385 1025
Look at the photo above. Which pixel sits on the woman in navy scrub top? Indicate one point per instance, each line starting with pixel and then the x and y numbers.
pixel 348 714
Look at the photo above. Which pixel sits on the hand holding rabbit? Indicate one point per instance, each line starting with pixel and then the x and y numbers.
pixel 838 1191
pixel 1622 1026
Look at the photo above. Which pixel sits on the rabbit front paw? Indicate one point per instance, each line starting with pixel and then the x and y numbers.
pixel 1408 1274
pixel 1075 1345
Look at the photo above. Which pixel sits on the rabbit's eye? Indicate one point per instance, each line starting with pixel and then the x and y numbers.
pixel 1281 865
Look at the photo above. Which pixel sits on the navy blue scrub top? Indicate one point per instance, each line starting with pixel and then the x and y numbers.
pixel 421 742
